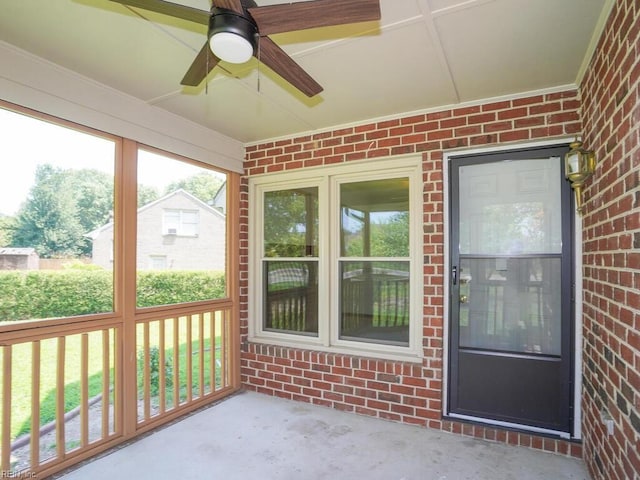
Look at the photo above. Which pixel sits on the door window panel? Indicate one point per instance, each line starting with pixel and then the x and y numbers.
pixel 511 304
pixel 510 207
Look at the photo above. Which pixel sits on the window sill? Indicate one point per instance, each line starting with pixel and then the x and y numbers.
pixel 379 352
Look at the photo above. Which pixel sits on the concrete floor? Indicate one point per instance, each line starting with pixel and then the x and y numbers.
pixel 253 436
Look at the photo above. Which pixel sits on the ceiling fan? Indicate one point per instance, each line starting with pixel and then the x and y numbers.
pixel 239 29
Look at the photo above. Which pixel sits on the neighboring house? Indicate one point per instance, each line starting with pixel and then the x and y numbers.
pixel 19 259
pixel 177 231
pixel 220 199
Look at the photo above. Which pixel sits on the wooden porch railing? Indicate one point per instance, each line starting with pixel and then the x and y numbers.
pixel 62 395
pixel 59 395
pixel 182 360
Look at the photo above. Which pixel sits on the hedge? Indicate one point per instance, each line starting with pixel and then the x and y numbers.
pixel 26 295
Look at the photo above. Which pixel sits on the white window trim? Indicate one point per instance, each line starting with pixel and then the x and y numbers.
pixel 179 227
pixel 327 178
pixel 154 258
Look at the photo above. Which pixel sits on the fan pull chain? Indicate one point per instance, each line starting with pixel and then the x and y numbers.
pixel 206 83
pixel 259 63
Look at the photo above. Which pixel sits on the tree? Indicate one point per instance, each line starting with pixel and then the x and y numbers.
pixel 203 186
pixel 390 238
pixel 7 225
pixel 93 194
pixel 290 222
pixel 48 221
pixel 146 195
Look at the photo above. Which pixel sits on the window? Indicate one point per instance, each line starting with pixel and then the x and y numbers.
pixel 157 262
pixel 374 261
pixel 290 263
pixel 180 222
pixel 334 257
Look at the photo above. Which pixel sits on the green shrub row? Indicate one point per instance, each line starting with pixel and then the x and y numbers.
pixel 27 295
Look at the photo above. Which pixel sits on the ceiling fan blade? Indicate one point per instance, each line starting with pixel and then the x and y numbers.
pixel 281 63
pixel 200 68
pixel 235 5
pixel 171 9
pixel 290 17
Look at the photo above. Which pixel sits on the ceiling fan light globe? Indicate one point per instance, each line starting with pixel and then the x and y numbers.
pixel 231 47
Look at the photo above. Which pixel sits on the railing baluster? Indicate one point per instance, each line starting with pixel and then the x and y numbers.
pixel 35 404
pixel 176 362
pixel 60 427
pixel 118 400
pixel 224 341
pixel 106 380
pixel 214 351
pixel 84 390
pixel 146 377
pixel 162 367
pixel 201 356
pixel 189 365
pixel 5 459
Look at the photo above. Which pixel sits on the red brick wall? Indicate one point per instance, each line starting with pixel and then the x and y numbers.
pixel 611 115
pixel 394 390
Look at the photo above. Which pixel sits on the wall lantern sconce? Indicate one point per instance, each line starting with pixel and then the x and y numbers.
pixel 579 165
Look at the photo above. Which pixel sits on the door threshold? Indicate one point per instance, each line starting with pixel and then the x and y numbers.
pixel 513 426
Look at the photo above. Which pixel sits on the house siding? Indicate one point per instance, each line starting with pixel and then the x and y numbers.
pixel 182 252
pixel 206 251
pixel 396 390
pixel 611 249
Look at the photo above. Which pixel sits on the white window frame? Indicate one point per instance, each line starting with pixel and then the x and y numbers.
pixel 153 259
pixel 328 180
pixel 179 227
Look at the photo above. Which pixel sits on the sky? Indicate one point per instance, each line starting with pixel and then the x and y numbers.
pixel 26 142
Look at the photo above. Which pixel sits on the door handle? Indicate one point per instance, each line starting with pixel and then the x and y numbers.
pixel 464 299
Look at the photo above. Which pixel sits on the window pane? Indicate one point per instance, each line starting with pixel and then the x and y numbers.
pixel 375 218
pixel 181 222
pixel 56 192
pixel 374 302
pixel 511 206
pixel 513 304
pixel 181 244
pixel 291 223
pixel 291 296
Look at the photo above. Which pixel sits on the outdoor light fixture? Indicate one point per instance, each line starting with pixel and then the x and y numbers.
pixel 232 37
pixel 579 165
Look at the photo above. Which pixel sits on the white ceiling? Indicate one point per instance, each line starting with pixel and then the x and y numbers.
pixel 422 55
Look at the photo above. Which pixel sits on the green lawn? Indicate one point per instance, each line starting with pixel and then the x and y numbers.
pixel 21 388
